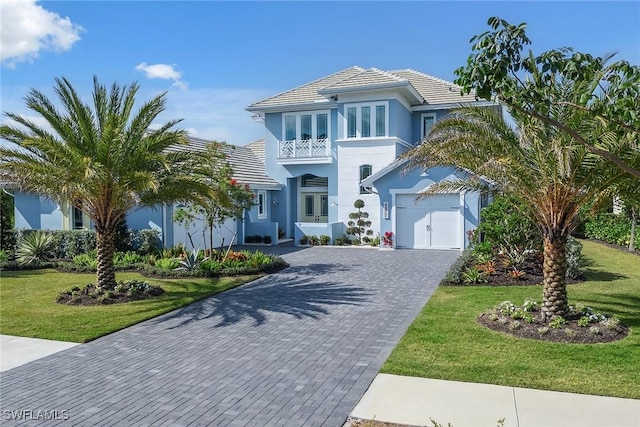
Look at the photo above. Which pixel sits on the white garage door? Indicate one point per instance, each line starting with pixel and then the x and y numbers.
pixel 430 223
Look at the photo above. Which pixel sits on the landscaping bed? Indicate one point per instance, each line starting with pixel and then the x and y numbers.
pixel 446 340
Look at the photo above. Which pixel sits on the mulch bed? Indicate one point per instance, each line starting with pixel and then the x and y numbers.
pixel 90 295
pixel 532 268
pixel 570 332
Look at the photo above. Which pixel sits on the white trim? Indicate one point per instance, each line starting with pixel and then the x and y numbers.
pixel 262 206
pixel 422 117
pixel 452 105
pixel 374 139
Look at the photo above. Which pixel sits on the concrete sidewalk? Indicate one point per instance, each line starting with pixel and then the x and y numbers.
pixel 415 401
pixel 16 351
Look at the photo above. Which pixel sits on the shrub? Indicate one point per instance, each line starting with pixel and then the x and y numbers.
pixel 324 239
pixel 454 275
pixel 3 256
pixel 583 322
pixel 314 240
pixel 167 263
pixel 342 240
pixel 557 322
pixel 304 239
pixel 147 241
pixel 473 275
pixel 35 248
pixel 127 258
pixel 191 261
pixel 86 260
pixel 610 228
pixel 375 241
pixel 505 227
pixel 267 239
pixel 210 265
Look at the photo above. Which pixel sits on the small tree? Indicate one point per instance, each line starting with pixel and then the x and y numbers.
pixel 358 225
pixel 212 211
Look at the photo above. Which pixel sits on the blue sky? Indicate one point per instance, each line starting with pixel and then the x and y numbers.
pixel 215 58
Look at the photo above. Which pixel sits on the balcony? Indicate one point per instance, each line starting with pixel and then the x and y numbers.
pixel 304 151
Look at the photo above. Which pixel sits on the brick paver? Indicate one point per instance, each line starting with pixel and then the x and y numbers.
pixel 296 348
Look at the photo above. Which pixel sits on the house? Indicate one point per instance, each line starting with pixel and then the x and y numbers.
pixel 33 211
pixel 338 139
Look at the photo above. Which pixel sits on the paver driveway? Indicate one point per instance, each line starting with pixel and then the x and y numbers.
pixel 297 348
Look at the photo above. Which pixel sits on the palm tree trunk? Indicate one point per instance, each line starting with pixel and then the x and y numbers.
pixel 554 294
pixel 105 245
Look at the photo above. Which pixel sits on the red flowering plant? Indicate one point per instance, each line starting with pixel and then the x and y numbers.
pixel 387 239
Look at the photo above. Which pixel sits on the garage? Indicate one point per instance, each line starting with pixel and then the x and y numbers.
pixel 434 222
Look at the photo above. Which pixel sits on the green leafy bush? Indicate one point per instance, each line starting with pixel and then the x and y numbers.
pixel 574 258
pixel 474 275
pixel 505 227
pixel 147 241
pixel 167 263
pixel 128 258
pixel 454 275
pixel 324 239
pixel 610 228
pixel 87 259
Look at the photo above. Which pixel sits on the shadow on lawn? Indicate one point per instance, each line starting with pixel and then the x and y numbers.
pixel 297 291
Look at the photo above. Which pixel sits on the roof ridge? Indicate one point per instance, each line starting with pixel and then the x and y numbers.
pixel 312 82
pixel 389 74
pixel 438 79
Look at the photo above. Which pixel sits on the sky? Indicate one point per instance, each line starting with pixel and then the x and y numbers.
pixel 215 58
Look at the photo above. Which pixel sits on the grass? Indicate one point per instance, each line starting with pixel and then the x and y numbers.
pixel 446 342
pixel 28 307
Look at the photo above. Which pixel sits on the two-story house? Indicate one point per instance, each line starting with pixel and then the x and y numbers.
pixel 337 139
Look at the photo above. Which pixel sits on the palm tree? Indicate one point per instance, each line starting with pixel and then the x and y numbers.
pixel 102 158
pixel 543 167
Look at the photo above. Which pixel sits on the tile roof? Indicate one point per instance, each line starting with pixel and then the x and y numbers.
pixel 247 167
pixel 308 92
pixel 366 78
pixel 431 89
pixel 258 149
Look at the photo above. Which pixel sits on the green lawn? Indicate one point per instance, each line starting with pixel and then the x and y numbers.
pixel 28 307
pixel 445 341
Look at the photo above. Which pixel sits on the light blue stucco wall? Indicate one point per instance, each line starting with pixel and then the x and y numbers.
pixel 36 212
pixel 400 120
pixel 416 122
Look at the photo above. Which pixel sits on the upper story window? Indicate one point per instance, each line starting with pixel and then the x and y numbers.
pixel 306 126
pixel 367 120
pixel 365 172
pixel 428 120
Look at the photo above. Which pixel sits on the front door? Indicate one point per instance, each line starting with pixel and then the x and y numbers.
pixel 314 207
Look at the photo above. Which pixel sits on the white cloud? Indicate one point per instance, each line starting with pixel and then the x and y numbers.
pixel 215 113
pixel 28 28
pixel 162 71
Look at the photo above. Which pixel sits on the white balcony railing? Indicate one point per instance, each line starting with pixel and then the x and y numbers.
pixel 303 148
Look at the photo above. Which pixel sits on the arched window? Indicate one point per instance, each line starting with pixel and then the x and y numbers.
pixel 365 171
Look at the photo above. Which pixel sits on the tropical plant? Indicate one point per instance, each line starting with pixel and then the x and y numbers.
pixel 103 158
pixel 7 237
pixel 549 173
pixel 167 263
pixel 191 261
pixel 34 248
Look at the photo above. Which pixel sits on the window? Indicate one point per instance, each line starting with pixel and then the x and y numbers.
pixel 351 119
pixel 365 171
pixel 324 205
pixel 308 205
pixel 309 180
pixel 262 206
pixel 290 128
pixel 306 126
pixel 428 120
pixel 322 126
pixel 77 223
pixel 367 120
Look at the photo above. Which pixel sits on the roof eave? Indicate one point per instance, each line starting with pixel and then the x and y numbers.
pixel 316 105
